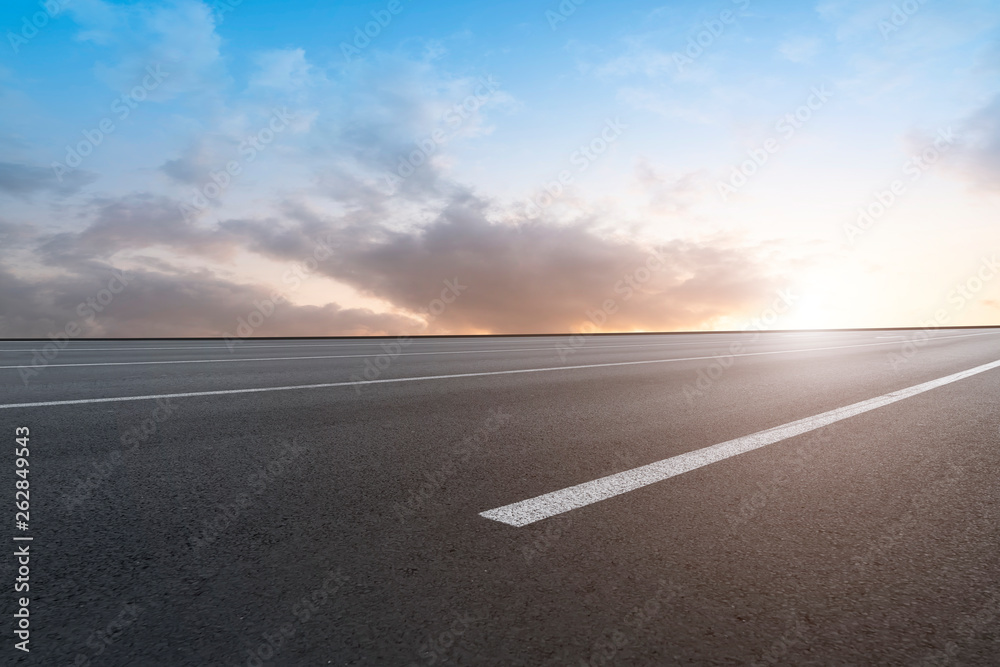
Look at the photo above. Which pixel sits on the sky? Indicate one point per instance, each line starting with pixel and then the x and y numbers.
pixel 257 168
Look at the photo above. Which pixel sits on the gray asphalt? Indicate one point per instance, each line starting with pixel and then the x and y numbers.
pixel 340 525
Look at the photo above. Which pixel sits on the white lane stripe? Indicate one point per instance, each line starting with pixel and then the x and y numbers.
pixel 420 341
pixel 248 347
pixel 544 506
pixel 388 341
pixel 325 356
pixel 337 356
pixel 325 385
pixel 385 341
pixel 359 356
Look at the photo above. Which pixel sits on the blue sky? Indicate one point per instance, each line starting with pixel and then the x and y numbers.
pixel 737 141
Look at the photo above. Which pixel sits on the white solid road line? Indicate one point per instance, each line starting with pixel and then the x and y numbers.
pixel 381 341
pixel 388 342
pixel 542 507
pixel 327 385
pixel 348 356
pixel 384 341
pixel 399 354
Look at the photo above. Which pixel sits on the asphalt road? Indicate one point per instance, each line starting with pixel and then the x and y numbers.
pixel 326 521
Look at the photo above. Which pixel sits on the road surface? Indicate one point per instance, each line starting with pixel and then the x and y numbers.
pixel 779 498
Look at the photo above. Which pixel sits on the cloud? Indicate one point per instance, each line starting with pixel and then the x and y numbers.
pixel 14 235
pixel 852 19
pixel 515 275
pixel 22 180
pixel 155 303
pixel 377 112
pixel 979 150
pixel 192 167
pixel 284 69
pixel 667 104
pixel 529 277
pixel 639 59
pixel 135 222
pixel 351 128
pixel 799 49
pixel 537 277
pixel 668 194
pixel 179 37
pixel 518 276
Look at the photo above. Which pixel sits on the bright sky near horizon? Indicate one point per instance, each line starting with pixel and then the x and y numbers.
pixel 395 167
